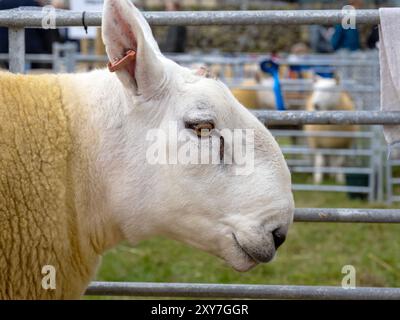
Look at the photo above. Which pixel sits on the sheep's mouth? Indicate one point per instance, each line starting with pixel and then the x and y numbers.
pixel 243 250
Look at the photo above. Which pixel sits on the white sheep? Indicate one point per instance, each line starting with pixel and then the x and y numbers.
pixel 327 96
pixel 75 180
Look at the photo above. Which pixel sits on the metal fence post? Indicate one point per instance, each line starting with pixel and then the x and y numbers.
pixel 16 40
pixel 373 165
pixel 70 52
pixel 57 60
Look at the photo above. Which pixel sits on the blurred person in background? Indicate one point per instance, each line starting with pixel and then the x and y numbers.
pixel 320 39
pixel 175 41
pixel 347 39
pixel 37 40
pixel 320 36
pixel 373 37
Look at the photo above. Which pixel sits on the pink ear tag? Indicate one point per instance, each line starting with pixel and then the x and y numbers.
pixel 122 63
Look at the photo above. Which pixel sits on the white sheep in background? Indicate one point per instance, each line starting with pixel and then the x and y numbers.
pixel 246 94
pixel 327 96
pixel 245 90
pixel 75 180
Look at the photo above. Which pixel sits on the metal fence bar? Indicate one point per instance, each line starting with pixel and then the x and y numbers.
pixel 306 61
pixel 327 134
pixel 337 152
pixel 17 48
pixel 348 215
pixel 354 60
pixel 46 58
pixel 64 18
pixel 216 60
pixel 330 188
pixel 236 291
pixel 303 88
pixel 327 117
pixel 299 162
pixel 345 170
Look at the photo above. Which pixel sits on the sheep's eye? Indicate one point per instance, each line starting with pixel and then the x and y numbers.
pixel 202 129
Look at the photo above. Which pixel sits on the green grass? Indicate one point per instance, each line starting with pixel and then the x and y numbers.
pixel 314 254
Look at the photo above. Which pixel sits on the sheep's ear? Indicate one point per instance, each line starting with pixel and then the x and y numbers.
pixel 124 29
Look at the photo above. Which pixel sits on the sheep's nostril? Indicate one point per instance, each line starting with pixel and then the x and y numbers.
pixel 279 237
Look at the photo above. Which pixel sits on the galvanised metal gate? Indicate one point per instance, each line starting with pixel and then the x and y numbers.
pixel 16 20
